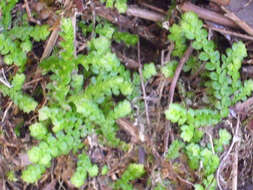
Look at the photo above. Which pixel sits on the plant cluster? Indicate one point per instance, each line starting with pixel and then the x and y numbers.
pixel 223 89
pixel 6 7
pixel 23 101
pixel 133 171
pixel 120 5
pixel 84 166
pixel 15 43
pixel 74 112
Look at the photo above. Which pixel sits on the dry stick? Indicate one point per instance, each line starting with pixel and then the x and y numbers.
pixel 238 21
pixel 144 13
pixel 6 83
pixel 142 84
pixel 208 15
pixel 178 71
pixel 221 2
pixel 29 14
pixel 236 139
pixel 125 22
pixel 235 167
pixel 153 8
pixel 26 85
pixel 167 123
pixel 223 31
pixel 4 80
pixel 7 109
pixel 129 63
pixel 50 43
pixel 128 127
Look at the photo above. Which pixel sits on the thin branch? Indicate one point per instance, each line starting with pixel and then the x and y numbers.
pixel 51 42
pixel 153 8
pixel 238 21
pixel 125 22
pixel 178 71
pixel 236 139
pixel 6 110
pixel 223 31
pixel 144 14
pixel 221 2
pixel 208 15
pixel 5 83
pixel 4 80
pixel 29 14
pixel 142 84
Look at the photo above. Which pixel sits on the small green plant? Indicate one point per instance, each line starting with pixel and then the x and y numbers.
pixel 120 5
pixel 173 151
pixel 104 170
pixel 132 172
pixel 169 68
pixel 33 173
pixel 6 7
pixel 23 101
pixel 224 89
pixel 73 112
pixel 160 187
pixel 149 71
pixel 11 176
pixel 84 167
pixel 224 139
pixel 15 43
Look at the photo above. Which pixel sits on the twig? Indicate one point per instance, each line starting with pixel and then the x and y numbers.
pixel 26 85
pixel 5 83
pixel 129 127
pixel 223 31
pixel 178 71
pixel 208 15
pixel 4 80
pixel 211 142
pixel 185 181
pixel 153 8
pixel 167 123
pixel 201 68
pixel 235 167
pixel 29 14
pixel 144 13
pixel 170 48
pixel 128 62
pixel 6 110
pixel 125 22
pixel 51 42
pixel 235 162
pixel 243 25
pixel 142 84
pixel 221 2
pixel 236 139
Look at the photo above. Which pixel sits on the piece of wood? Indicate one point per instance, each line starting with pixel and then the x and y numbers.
pixel 182 61
pixel 221 2
pixel 208 15
pixel 243 25
pixel 144 13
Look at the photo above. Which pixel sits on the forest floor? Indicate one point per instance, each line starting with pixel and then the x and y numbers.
pixel 149 138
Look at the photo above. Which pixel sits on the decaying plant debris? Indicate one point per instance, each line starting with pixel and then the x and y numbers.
pixel 117 94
